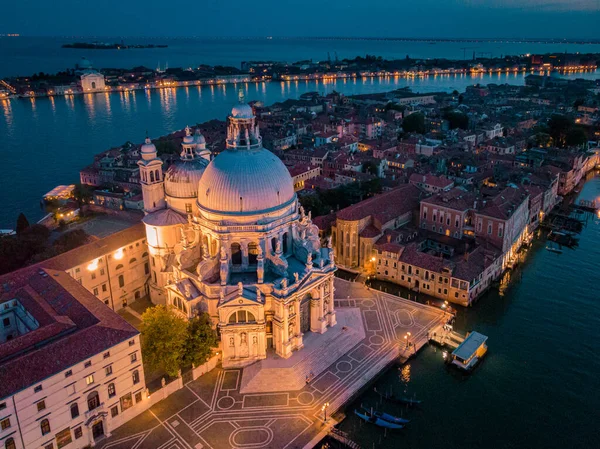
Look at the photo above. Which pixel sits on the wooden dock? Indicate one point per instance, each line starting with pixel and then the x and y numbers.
pixel 443 336
pixel 343 438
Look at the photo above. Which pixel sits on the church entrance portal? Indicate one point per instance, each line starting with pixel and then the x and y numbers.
pixel 305 314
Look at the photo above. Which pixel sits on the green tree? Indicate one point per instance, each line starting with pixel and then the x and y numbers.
pixel 559 126
pixel 22 223
pixel 164 334
pixel 370 167
pixel 414 123
pixel 83 193
pixel 201 338
pixel 576 136
pixel 70 240
pixel 457 120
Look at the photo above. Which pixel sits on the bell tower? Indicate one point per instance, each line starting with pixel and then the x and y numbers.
pixel 151 178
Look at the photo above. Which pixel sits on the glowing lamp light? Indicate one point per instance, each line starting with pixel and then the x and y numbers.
pixel 93 266
pixel 119 254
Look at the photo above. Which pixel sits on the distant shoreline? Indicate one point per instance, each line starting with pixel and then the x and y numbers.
pixel 108 46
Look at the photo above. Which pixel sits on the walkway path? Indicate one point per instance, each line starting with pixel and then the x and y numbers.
pixel 211 412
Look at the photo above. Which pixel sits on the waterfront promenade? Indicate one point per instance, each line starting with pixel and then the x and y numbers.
pixel 213 412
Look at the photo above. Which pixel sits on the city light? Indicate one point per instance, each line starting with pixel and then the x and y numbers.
pixel 119 254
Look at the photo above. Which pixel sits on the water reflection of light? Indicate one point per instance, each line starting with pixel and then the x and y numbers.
pixel 8 113
pixel 405 373
pixel 107 108
pixel 52 104
pixel 70 102
pixel 134 100
pixel 88 100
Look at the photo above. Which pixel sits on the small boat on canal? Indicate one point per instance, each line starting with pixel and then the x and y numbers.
pixel 398 399
pixel 389 418
pixel 368 417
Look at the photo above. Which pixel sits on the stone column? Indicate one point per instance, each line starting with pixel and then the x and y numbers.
pixel 318 323
pixel 297 327
pixel 331 321
pixel 244 246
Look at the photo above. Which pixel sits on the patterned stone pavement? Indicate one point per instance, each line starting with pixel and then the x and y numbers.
pixel 210 412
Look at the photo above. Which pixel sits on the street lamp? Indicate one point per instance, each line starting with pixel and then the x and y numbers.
pixel 407 338
pixel 324 410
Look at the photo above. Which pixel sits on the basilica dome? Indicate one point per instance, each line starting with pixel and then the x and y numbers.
pixel 245 181
pixel 183 176
pixel 243 111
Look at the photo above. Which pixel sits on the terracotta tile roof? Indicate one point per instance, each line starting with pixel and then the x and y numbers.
pixel 96 249
pixel 324 222
pixel 431 180
pixel 505 203
pixel 370 232
pixel 456 199
pixel 411 255
pixel 73 326
pixel 384 207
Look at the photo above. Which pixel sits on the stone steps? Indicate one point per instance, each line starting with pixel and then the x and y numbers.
pixel 316 364
pixel 256 377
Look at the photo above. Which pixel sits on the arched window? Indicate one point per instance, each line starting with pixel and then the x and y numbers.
pixel 157 175
pixel 151 176
pixel 119 266
pixel 111 390
pixel 236 254
pixel 145 255
pixel 45 426
pixel 274 244
pixel 93 400
pixel 74 410
pixel 241 317
pixel 136 377
pixel 10 444
pixel 132 260
pixel 252 253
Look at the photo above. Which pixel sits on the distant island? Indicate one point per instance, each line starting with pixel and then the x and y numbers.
pixel 108 46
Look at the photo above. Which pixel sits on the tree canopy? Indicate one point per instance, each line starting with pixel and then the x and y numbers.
pixel 164 335
pixel 170 342
pixel 22 223
pixel 201 338
pixel 457 119
pixel 414 123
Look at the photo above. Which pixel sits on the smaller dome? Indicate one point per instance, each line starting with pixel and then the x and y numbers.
pixel 188 140
pixel 242 110
pixel 199 138
pixel 182 178
pixel 148 147
pixel 84 64
pixel 164 217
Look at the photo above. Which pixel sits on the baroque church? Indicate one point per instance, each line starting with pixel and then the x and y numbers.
pixel 227 236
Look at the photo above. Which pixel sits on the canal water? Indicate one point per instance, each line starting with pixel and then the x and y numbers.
pixel 539 384
pixel 46 141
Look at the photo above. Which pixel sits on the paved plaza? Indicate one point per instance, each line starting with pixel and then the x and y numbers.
pixel 213 412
